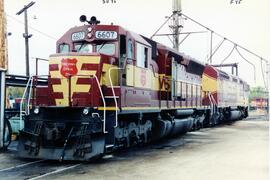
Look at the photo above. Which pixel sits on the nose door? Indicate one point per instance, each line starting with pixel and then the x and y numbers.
pixel 71 79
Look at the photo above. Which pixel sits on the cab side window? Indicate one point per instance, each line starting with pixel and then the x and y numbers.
pixel 141 55
pixel 130 49
pixel 123 49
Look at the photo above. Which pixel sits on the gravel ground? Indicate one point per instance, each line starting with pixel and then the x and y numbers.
pixel 237 151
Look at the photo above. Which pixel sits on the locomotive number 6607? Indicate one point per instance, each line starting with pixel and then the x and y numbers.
pixel 106 35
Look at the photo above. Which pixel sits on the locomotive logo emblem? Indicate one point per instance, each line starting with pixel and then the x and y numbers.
pixel 68 67
pixel 164 83
pixel 143 77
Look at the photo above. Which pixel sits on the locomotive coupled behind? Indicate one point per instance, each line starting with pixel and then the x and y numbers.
pixel 110 88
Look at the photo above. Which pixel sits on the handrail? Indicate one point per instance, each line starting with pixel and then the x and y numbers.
pixel 30 80
pixel 104 104
pixel 103 100
pixel 210 99
pixel 37 60
pixel 114 97
pixel 153 71
pixel 213 99
pixel 29 95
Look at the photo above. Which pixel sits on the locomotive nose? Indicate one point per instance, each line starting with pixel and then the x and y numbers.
pixel 73 78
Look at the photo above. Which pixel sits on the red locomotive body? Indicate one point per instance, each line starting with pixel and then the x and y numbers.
pixel 110 88
pixel 227 93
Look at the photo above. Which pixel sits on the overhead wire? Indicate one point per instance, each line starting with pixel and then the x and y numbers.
pixel 235 47
pixel 254 68
pixel 162 25
pixel 226 38
pixel 215 50
pixel 43 33
pixel 228 55
pixel 264 81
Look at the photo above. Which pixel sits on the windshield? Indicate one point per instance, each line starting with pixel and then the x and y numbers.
pixel 108 49
pixel 104 48
pixel 84 48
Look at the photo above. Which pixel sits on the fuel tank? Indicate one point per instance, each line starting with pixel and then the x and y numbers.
pixel 233 115
pixel 167 128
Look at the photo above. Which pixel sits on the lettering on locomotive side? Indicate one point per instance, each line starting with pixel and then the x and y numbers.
pixel 164 83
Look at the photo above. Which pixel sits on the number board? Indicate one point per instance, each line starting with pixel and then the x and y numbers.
pixel 78 36
pixel 106 34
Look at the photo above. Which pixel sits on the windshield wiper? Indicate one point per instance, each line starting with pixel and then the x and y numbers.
pixel 101 46
pixel 81 47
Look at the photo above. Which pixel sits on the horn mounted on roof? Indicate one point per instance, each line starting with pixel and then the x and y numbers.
pixel 93 20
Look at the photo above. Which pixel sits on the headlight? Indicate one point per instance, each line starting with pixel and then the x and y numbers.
pixel 36 110
pixel 89 35
pixel 85 111
pixel 90 29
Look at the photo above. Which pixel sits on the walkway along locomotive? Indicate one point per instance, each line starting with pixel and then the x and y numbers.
pixel 110 88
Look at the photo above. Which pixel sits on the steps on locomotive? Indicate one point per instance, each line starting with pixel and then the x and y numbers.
pixel 109 148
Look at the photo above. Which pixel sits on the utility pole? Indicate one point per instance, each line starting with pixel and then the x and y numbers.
pixel 26 35
pixel 176 25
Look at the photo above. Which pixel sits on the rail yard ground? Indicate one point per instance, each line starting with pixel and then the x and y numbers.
pixel 229 152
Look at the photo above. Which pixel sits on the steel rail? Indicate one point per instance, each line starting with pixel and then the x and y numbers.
pixel 21 165
pixel 55 172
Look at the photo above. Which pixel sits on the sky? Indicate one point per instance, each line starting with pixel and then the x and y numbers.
pixel 247 23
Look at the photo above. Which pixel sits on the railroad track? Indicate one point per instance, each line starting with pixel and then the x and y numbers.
pixel 44 169
pixel 36 169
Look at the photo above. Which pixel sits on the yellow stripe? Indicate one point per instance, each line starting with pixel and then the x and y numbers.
pixel 63 87
pixel 82 59
pixel 209 83
pixel 211 77
pixel 105 80
pixel 148 108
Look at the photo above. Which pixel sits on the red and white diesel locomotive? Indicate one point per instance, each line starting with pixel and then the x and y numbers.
pixel 110 88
